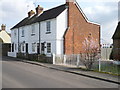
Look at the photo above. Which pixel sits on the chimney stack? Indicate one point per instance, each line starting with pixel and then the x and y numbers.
pixel 39 10
pixel 3 27
pixel 30 13
pixel 68 1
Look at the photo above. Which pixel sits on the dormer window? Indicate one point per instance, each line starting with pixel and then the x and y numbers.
pixel 48 27
pixel 33 30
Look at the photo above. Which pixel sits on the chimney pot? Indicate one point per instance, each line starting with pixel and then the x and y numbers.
pixel 39 9
pixel 3 27
pixel 30 13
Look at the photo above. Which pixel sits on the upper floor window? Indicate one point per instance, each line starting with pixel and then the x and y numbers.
pixel 33 30
pixel 15 33
pixel 48 27
pixel 23 32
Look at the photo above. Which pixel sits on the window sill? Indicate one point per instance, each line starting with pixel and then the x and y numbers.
pixel 32 34
pixel 48 32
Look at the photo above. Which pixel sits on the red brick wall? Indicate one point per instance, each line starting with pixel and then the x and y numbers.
pixel 78 30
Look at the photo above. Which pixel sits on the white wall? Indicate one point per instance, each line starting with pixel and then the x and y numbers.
pixel 58 28
pixel 29 38
pixel 51 37
pixel 14 39
pixel 61 28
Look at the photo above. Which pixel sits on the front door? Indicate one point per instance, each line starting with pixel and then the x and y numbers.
pixel 13 47
pixel 26 47
pixel 38 48
pixel 42 48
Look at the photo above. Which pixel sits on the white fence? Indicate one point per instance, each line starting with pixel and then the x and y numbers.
pixel 73 60
pixel 77 61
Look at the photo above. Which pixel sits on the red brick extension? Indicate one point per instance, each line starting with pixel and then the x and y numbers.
pixel 78 30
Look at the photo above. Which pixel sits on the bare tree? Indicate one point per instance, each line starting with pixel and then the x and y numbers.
pixel 91 51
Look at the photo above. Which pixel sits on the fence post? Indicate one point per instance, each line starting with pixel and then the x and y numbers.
pixel 53 58
pixel 64 59
pixel 78 60
pixel 99 65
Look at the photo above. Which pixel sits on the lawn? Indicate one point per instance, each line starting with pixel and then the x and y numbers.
pixel 108 68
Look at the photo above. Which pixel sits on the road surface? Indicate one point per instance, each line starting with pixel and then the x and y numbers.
pixel 17 74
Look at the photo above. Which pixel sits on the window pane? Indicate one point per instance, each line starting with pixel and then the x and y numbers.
pixel 48 26
pixel 15 33
pixel 23 32
pixel 48 47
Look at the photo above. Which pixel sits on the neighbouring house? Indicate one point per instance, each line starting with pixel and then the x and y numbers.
pixel 4 35
pixel 116 43
pixel 5 40
pixel 60 30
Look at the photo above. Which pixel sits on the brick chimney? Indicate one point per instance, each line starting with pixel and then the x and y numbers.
pixel 30 13
pixel 39 9
pixel 3 27
pixel 68 1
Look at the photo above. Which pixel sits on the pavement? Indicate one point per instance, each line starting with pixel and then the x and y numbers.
pixel 91 74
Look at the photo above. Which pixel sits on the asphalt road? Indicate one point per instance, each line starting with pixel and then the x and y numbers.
pixel 17 74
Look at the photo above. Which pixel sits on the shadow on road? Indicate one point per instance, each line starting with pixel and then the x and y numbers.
pixel 5 58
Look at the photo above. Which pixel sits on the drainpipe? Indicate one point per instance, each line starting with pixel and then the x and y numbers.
pixel 18 42
pixel 39 36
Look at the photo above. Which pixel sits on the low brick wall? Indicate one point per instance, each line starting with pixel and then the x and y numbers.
pixel 35 57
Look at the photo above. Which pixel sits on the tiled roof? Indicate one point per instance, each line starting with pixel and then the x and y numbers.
pixel 46 15
pixel 117 32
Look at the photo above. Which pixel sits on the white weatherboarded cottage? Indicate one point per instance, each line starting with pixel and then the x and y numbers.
pixel 40 33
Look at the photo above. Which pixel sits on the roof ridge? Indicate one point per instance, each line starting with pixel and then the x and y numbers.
pixel 54 7
pixel 46 15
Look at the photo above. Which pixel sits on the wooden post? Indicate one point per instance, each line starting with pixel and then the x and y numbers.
pixel 78 60
pixel 64 59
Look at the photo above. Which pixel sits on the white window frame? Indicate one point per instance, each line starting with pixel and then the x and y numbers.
pixel 48 47
pixel 33 29
pixel 23 32
pixel 48 27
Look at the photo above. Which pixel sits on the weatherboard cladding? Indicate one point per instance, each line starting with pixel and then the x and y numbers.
pixel 117 32
pixel 46 15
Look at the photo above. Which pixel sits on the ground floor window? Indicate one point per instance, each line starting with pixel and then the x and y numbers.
pixel 48 47
pixel 33 47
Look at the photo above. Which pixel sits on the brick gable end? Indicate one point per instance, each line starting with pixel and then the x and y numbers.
pixel 78 30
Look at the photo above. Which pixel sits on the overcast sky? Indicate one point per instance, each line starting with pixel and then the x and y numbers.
pixel 104 12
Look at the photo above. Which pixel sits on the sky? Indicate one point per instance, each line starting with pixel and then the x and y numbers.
pixel 103 12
